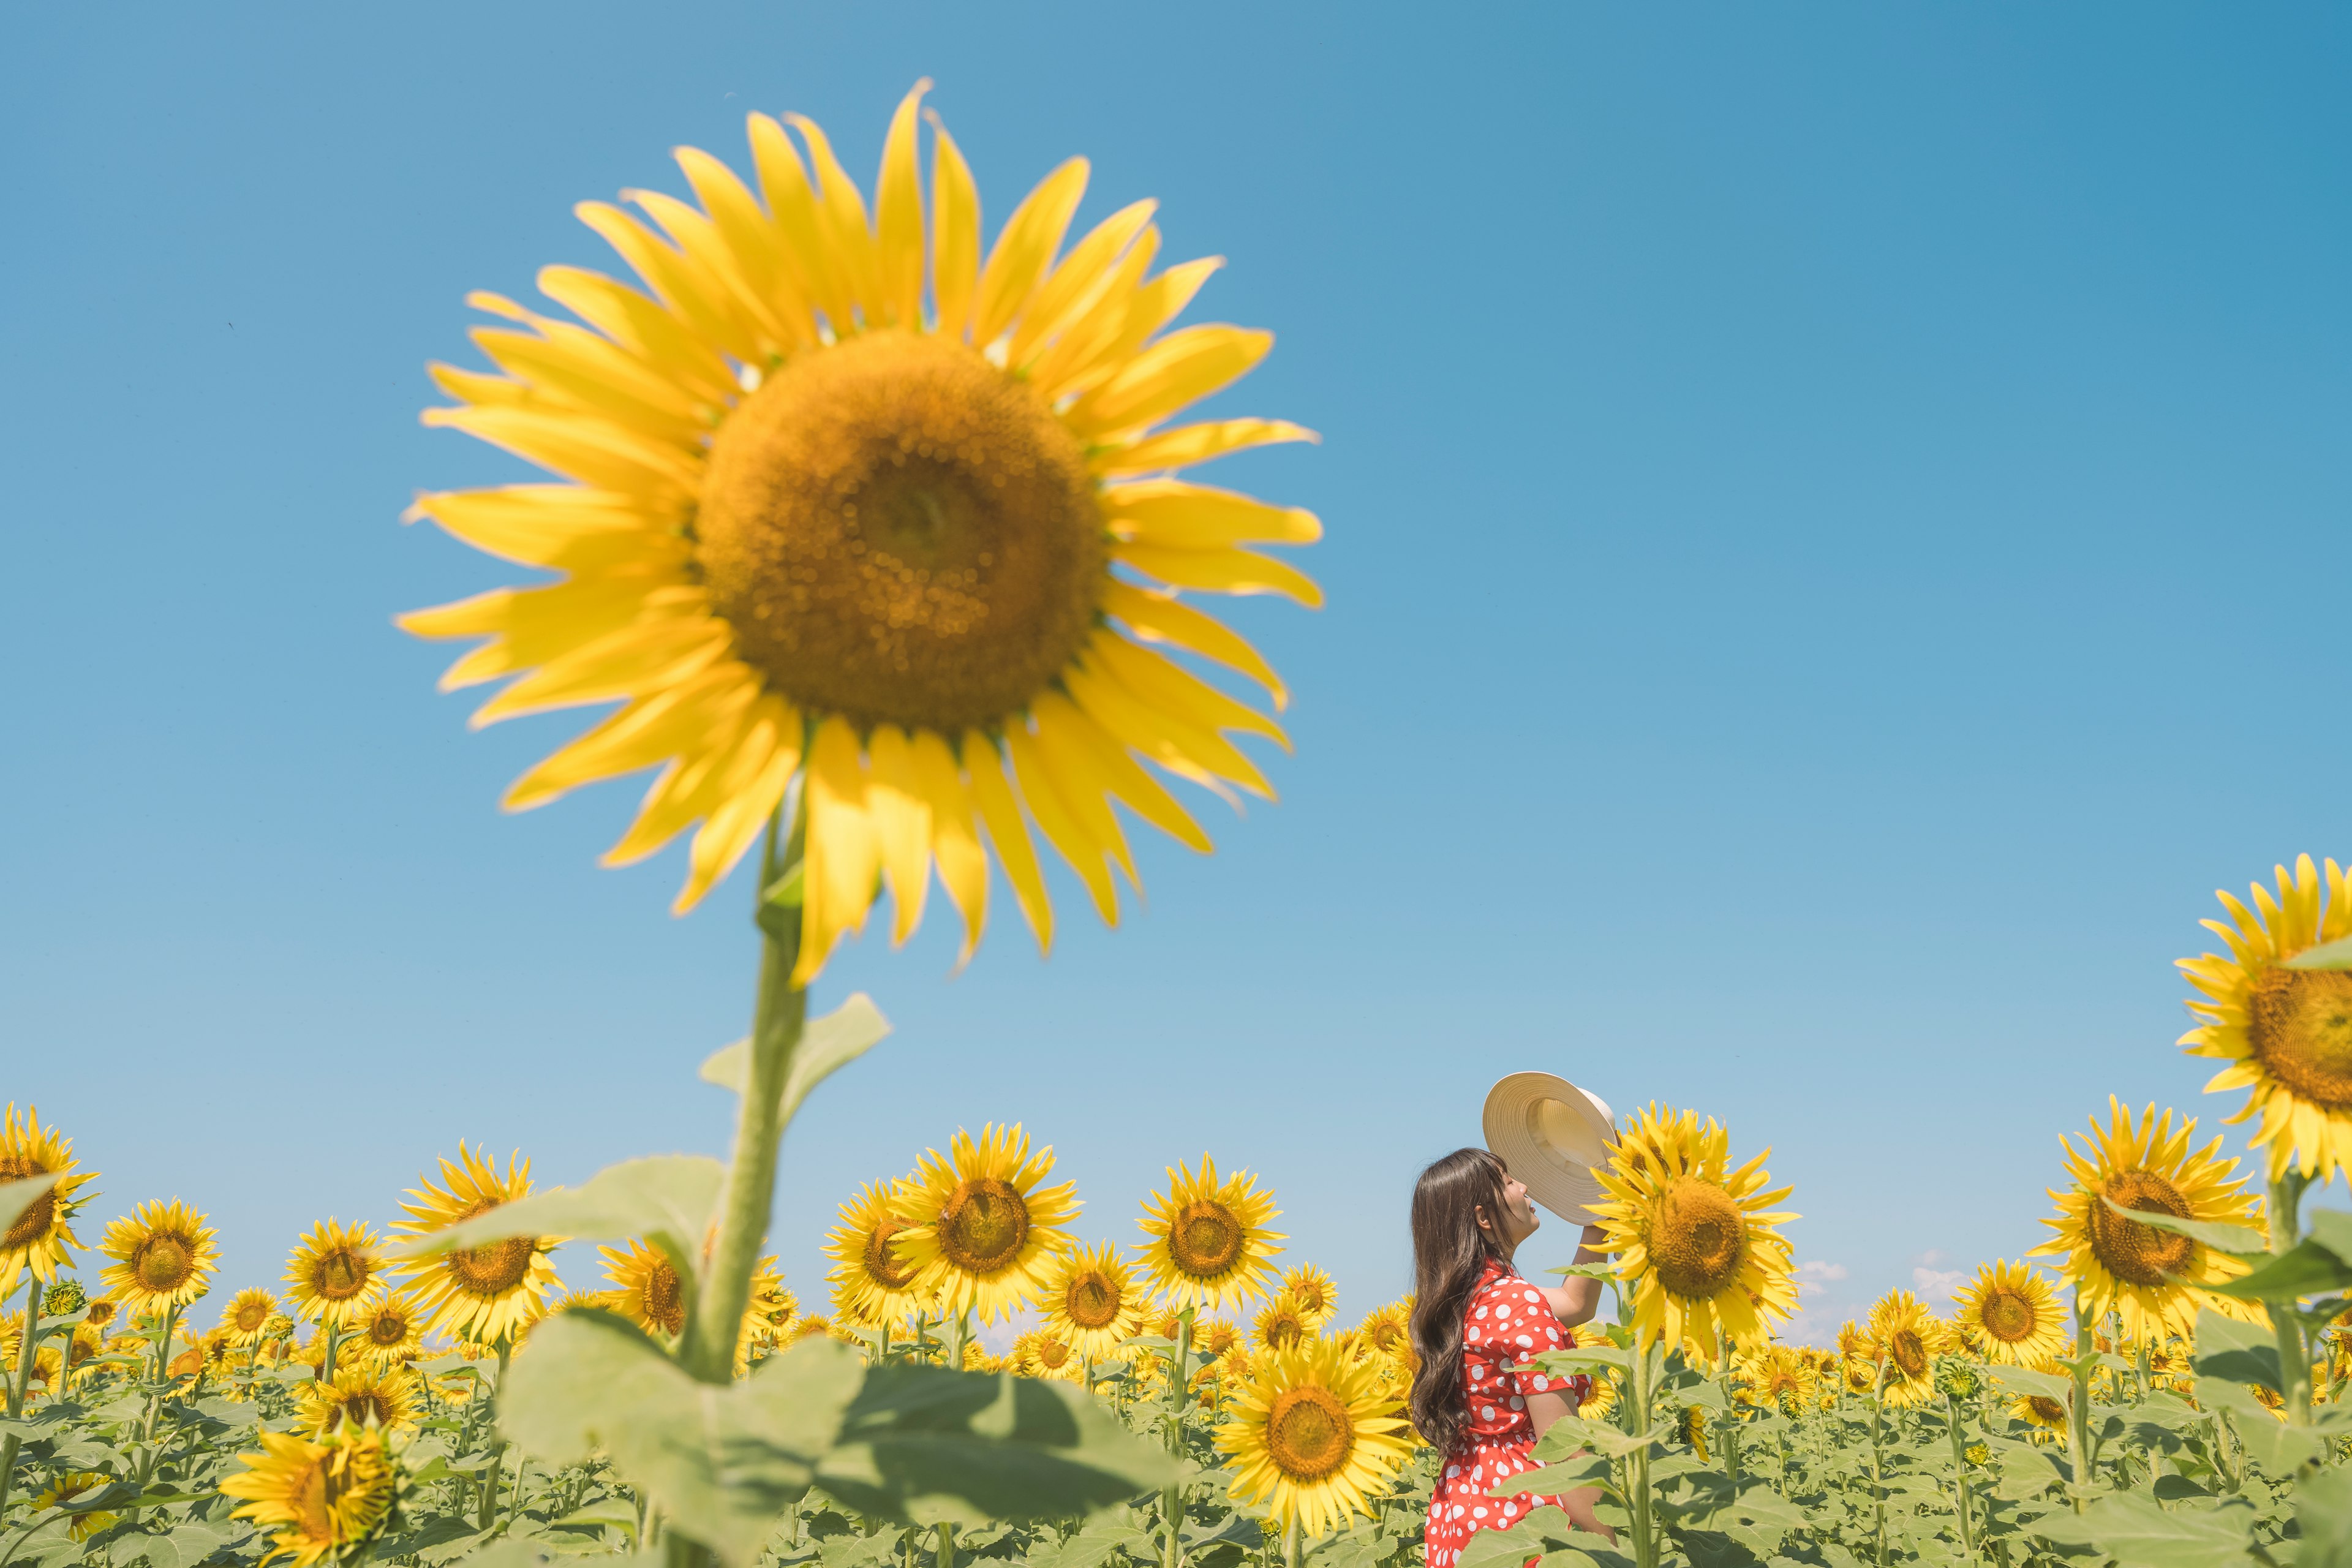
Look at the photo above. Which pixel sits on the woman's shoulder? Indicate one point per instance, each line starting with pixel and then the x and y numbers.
pixel 1502 1286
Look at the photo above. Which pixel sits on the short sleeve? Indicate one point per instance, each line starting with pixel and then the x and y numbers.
pixel 1535 1329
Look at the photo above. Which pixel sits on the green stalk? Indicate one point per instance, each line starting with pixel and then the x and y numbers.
pixel 1294 1543
pixel 1730 1424
pixel 1645 1528
pixel 2078 1409
pixel 332 1327
pixel 497 1445
pixel 1877 1474
pixel 1961 1476
pixel 708 1348
pixel 2295 1362
pixel 1172 1501
pixel 947 1545
pixel 19 1381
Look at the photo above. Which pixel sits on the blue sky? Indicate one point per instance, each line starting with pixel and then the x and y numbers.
pixel 1835 522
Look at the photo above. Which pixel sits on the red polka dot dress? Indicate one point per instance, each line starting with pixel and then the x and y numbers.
pixel 1507 1324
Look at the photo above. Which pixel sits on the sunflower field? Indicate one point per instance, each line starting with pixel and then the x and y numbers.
pixel 874 536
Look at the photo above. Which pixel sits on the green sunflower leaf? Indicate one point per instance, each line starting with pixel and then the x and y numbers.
pixel 2336 955
pixel 668 1199
pixel 2235 1352
pixel 2025 1380
pixel 2140 1532
pixel 2308 1268
pixel 827 1045
pixel 15 1197
pixel 2323 1517
pixel 2238 1240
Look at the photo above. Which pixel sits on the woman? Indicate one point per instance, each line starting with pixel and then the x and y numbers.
pixel 1476 1326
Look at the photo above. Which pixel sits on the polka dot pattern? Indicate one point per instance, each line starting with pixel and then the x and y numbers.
pixel 1507 1323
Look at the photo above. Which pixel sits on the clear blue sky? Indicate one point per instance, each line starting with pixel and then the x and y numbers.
pixel 1836 547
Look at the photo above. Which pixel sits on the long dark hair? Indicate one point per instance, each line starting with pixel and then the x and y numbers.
pixel 1449 1254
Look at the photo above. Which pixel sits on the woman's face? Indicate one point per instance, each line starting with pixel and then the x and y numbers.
pixel 1519 1219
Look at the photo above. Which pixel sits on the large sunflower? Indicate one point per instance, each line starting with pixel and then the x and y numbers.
pixel 246 1318
pixel 1693 1239
pixel 2150 1276
pixel 872 1280
pixel 163 1256
pixel 2286 1033
pixel 1908 1339
pixel 328 1497
pixel 983 1226
pixel 2013 1313
pixel 337 1273
pixel 1091 1300
pixel 1312 1437
pixel 480 1293
pixel 384 1396
pixel 909 552
pixel 1207 1242
pixel 40 1237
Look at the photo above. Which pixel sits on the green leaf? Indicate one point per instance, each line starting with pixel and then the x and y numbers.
pixel 723 1460
pixel 2336 955
pixel 2230 1238
pixel 1583 1469
pixel 1583 1358
pixel 1545 1529
pixel 927 1445
pixel 2235 1352
pixel 2139 1532
pixel 2278 1449
pixel 668 1199
pixel 827 1045
pixel 15 1197
pixel 2323 1516
pixel 2025 1380
pixel 2308 1268
pixel 1570 1433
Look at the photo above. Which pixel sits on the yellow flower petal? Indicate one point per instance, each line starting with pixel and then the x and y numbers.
pixel 901 811
pixel 1222 572
pixel 1159 617
pixel 955 235
pixel 898 218
pixel 1025 247
pixel 1010 834
pixel 843 855
pixel 1174 515
pixel 1060 824
pixel 1188 444
pixel 1178 370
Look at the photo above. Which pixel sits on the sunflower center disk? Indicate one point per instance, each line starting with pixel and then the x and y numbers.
pixel 1308 1433
pixel 1908 1352
pixel 2300 1024
pixel 664 1301
pixel 1698 1238
pixel 493 1269
pixel 1052 1353
pixel 881 1262
pixel 388 1329
pixel 2134 1253
pixel 164 1263
pixel 897 530
pixel 2006 1317
pixel 1091 1302
pixel 1206 1239
pixel 34 1223
pixel 983 1225
pixel 340 1275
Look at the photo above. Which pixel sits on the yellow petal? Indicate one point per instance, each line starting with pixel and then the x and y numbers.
pixel 690 293
pixel 561 527
pixel 1154 305
pixel 1180 369
pixel 1078 356
pixel 650 730
pixel 841 215
pixel 581 447
pixel 532 625
pixel 751 239
pixel 642 326
pixel 898 217
pixel 690 788
pixel 1159 617
pixel 475 387
pixel 1080 783
pixel 793 208
pixel 753 787
pixel 1108 764
pixel 1025 247
pixel 1076 280
pixel 1188 443
pixel 1006 829
pixel 955 233
pixel 1161 684
pixel 592 373
pixel 1173 514
pixel 843 855
pixel 901 812
pixel 1061 827
pixel 643 656
pixel 750 322
pixel 1222 572
pixel 955 844
pixel 1184 749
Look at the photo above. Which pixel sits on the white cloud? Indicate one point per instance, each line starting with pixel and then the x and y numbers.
pixel 1936 1284
pixel 1815 1277
pixel 1932 1257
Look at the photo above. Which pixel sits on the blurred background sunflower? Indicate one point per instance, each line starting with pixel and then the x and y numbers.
pixel 337 1273
pixel 40 1238
pixel 164 1255
pixel 1312 1437
pixel 2015 1315
pixel 486 1293
pixel 1090 1298
pixel 1206 1242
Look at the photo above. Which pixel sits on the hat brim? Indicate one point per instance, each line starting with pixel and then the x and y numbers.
pixel 1551 1133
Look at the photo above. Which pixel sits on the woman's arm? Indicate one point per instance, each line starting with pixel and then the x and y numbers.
pixel 1576 1298
pixel 1543 1409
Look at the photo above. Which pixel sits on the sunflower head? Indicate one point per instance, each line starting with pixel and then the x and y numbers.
pixel 247 1317
pixel 1207 1240
pixel 483 1293
pixel 393 1332
pixel 1908 1339
pixel 646 1289
pixel 1311 1292
pixel 1694 1238
pixel 984 1227
pixel 1280 1325
pixel 41 1236
pixel 362 1397
pixel 1384 1327
pixel 1311 1436
pixel 872 1280
pixel 2152 1276
pixel 164 1255
pixel 337 1273
pixel 904 543
pixel 2285 1032
pixel 1091 1299
pixel 326 1499
pixel 63 1489
pixel 2013 1315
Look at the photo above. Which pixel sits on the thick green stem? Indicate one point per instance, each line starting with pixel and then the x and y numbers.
pixel 1961 1476
pixel 947 1545
pixel 708 1349
pixel 2294 1362
pixel 497 1448
pixel 1294 1543
pixel 1172 1501
pixel 333 1328
pixel 20 1379
pixel 1731 1425
pixel 2078 1408
pixel 1645 1528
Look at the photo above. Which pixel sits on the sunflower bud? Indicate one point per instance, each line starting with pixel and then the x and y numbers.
pixel 65 1296
pixel 1959 1379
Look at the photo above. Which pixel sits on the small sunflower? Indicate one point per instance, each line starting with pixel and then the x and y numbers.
pixel 1776 1377
pixel 393 1332
pixel 767 1308
pixel 384 1396
pixel 2040 1411
pixel 645 1288
pixel 816 528
pixel 1044 1352
pixel 2015 1314
pixel 329 1496
pixel 1091 1300
pixel 39 1238
pixel 1312 1437
pixel 1207 1242
pixel 64 1488
pixel 1690 1426
pixel 1693 1240
pixel 1280 1325
pixel 1311 1292
pixel 164 1255
pixel 337 1273
pixel 873 1281
pixel 481 1293
pixel 247 1317
pixel 1910 1339
pixel 2150 1276
pixel 1383 1327
pixel 2286 1033
pixel 1215 1336
pixel 983 1226
pixel 1599 1397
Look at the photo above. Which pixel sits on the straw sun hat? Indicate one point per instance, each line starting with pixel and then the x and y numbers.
pixel 1551 1133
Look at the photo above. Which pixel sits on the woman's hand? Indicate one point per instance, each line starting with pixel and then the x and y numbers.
pixel 1576 1298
